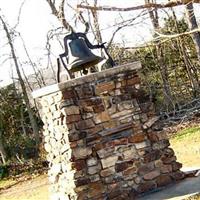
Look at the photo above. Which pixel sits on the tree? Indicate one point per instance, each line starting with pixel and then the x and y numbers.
pixel 15 128
pixel 8 117
pixel 179 57
pixel 182 43
pixel 192 22
pixel 22 84
pixel 160 56
pixel 3 153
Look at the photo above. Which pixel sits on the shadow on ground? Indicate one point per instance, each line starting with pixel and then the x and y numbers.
pixel 179 190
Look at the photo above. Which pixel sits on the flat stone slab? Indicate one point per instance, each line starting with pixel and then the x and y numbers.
pixel 177 191
pixel 86 79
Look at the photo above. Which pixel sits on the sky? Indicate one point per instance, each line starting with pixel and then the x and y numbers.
pixel 36 20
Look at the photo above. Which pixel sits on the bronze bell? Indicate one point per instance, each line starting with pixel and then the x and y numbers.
pixel 80 56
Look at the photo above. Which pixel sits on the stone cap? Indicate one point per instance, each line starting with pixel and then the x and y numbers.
pixel 86 79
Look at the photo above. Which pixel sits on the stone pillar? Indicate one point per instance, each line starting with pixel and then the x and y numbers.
pixel 98 138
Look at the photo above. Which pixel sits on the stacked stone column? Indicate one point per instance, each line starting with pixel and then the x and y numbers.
pixel 99 140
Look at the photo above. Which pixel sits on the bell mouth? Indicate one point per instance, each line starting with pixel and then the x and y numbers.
pixel 78 65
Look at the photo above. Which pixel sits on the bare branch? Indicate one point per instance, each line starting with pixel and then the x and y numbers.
pixel 149 5
pixel 113 35
pixel 125 23
pixel 19 15
pixel 37 72
pixel 60 14
pixel 81 18
pixel 160 35
pixel 53 7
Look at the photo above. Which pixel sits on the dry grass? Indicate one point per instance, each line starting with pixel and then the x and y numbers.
pixel 195 197
pixel 186 145
pixel 6 183
pixel 35 189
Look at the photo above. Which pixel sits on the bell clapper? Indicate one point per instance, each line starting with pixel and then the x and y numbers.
pixel 85 71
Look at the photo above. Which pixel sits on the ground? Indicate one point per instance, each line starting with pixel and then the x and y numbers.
pixel 34 189
pixel 185 144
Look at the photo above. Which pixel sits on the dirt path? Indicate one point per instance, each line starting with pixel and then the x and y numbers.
pixel 35 189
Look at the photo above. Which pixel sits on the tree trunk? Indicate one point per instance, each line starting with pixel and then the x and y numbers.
pixel 96 24
pixel 192 22
pixel 22 84
pixel 159 51
pixel 190 69
pixel 2 150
